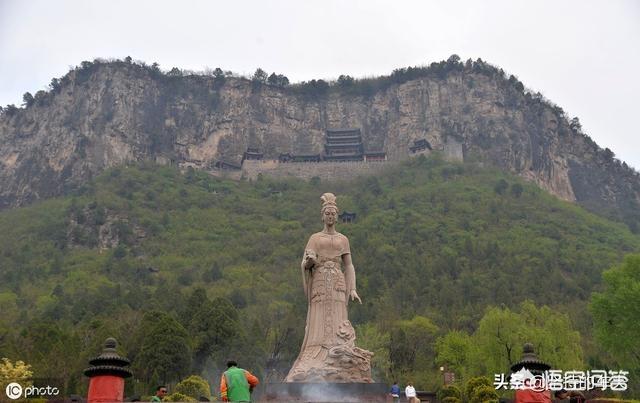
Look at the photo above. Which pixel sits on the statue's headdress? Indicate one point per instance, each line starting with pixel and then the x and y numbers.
pixel 328 200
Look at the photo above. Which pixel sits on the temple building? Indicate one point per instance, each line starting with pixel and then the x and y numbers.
pixel 227 165
pixel 347 217
pixel 420 146
pixel 287 157
pixel 375 156
pixel 252 154
pixel 343 145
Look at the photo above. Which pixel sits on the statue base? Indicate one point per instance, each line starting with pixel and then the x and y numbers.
pixel 321 392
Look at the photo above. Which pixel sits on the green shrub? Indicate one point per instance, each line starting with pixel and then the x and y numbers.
pixel 194 386
pixel 484 393
pixel 476 383
pixel 449 391
pixel 179 397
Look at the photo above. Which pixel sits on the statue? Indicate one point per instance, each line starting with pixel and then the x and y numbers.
pixel 328 352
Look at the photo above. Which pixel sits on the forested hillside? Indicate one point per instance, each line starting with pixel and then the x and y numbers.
pixel 160 258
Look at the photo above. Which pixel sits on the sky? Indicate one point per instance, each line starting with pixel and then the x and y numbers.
pixel 582 55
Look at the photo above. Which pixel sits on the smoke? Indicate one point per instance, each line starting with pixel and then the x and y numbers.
pixel 323 392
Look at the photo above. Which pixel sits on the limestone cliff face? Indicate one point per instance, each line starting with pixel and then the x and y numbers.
pixel 110 113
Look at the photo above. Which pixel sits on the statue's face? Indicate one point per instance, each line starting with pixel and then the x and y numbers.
pixel 329 216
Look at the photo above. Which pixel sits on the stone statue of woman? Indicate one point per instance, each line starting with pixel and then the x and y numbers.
pixel 328 352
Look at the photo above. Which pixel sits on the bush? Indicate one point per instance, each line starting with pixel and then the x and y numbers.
pixel 449 391
pixel 476 383
pixel 179 397
pixel 501 186
pixel 194 386
pixel 483 394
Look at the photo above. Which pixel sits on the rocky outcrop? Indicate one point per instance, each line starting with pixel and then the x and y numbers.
pixel 107 114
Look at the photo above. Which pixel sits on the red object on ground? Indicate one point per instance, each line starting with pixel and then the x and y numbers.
pixel 531 396
pixel 106 375
pixel 106 388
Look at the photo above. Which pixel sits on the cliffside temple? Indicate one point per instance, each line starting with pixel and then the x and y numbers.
pixel 344 158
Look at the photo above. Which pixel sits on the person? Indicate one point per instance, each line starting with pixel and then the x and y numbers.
pixel 161 391
pixel 236 384
pixel 410 393
pixel 395 392
pixel 328 352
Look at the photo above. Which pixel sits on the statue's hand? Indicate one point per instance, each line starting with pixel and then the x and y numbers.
pixel 310 258
pixel 354 296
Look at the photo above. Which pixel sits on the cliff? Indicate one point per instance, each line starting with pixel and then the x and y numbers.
pixel 104 114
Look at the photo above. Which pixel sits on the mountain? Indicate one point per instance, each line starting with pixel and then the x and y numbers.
pixel 105 114
pixel 434 245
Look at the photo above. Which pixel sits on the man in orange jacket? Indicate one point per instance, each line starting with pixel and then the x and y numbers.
pixel 237 384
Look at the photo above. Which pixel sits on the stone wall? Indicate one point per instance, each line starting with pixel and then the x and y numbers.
pixel 453 150
pixel 307 170
pixel 334 170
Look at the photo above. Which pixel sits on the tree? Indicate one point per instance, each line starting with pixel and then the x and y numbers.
pixel 575 125
pixel 54 85
pixel 174 72
pixel 85 65
pixel 501 334
pixel 52 349
pixel 453 59
pixel 608 154
pixel 260 76
pixel 615 312
pixel 14 372
pixel 410 341
pixel 497 341
pixel 27 99
pixel 215 328
pixel 453 351
pixel 40 98
pixel 516 190
pixel 164 347
pixel 501 186
pixel 345 81
pixel 278 80
pixel 371 338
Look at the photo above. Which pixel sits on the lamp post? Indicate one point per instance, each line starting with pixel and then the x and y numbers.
pixel 448 377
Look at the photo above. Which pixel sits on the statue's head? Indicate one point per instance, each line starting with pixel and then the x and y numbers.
pixel 329 209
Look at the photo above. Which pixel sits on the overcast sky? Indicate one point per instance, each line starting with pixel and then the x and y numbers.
pixel 582 55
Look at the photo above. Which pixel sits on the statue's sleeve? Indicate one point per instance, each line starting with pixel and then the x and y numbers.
pixel 306 274
pixel 349 270
pixel 311 244
pixel 346 248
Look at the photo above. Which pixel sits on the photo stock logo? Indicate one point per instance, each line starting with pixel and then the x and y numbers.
pixel 14 391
